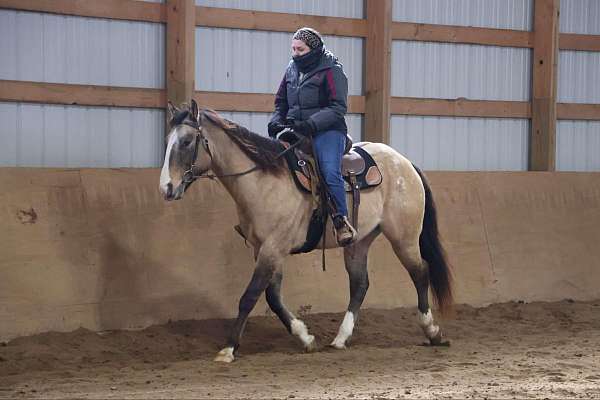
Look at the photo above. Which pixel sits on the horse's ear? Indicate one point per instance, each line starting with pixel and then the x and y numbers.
pixel 171 110
pixel 194 110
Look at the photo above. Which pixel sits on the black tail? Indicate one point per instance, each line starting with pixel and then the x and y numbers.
pixel 432 251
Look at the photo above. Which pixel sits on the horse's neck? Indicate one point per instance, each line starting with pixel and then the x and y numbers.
pixel 267 204
pixel 228 158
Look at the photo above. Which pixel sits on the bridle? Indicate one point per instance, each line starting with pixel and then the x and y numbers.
pixel 189 176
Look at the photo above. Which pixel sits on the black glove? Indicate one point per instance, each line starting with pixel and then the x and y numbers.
pixel 274 128
pixel 303 127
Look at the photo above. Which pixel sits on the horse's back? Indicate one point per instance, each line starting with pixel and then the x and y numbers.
pixel 391 162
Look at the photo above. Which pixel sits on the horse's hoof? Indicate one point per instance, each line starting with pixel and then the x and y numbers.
pixel 338 345
pixel 311 347
pixel 225 355
pixel 438 341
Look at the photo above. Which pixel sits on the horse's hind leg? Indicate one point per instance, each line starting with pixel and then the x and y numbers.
pixel 355 257
pixel 293 325
pixel 418 269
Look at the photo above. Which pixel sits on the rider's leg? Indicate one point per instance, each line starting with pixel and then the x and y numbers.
pixel 329 146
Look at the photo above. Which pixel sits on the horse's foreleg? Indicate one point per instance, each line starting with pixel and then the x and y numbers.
pixel 260 280
pixel 355 258
pixel 293 325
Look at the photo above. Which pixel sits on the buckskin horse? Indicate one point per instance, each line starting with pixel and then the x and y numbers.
pixel 274 217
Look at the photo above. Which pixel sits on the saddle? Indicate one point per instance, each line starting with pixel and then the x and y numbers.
pixel 358 168
pixel 359 171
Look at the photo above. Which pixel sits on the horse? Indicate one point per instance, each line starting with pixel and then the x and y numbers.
pixel 274 217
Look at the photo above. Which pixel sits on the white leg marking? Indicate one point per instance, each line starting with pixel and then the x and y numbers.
pixel 344 332
pixel 299 329
pixel 165 176
pixel 225 355
pixel 426 322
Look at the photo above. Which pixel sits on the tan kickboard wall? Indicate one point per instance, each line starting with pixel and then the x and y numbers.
pixel 100 249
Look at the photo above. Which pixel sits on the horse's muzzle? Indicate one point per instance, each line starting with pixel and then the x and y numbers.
pixel 172 194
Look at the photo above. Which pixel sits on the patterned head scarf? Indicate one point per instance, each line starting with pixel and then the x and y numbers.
pixel 309 36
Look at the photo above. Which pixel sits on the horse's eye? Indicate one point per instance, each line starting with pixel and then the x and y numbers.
pixel 186 142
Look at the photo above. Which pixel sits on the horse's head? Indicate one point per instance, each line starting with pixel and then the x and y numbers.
pixel 187 153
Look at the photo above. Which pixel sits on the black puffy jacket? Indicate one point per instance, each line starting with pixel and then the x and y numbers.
pixel 319 98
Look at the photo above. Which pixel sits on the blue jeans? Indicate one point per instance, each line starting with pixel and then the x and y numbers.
pixel 329 146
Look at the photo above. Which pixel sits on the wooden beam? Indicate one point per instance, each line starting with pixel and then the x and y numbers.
pixel 589 112
pixel 278 22
pixel 84 95
pixel 113 9
pixel 460 108
pixel 256 102
pixel 110 96
pixel 543 104
pixel 571 41
pixel 461 34
pixel 181 33
pixel 378 71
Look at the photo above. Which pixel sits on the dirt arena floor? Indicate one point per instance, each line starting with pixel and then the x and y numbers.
pixel 512 350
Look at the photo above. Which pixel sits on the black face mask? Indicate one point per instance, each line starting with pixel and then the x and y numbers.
pixel 309 60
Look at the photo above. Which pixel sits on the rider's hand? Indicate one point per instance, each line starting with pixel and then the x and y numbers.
pixel 274 128
pixel 303 128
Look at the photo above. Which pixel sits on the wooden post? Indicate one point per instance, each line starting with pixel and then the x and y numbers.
pixel 542 155
pixel 181 31
pixel 378 71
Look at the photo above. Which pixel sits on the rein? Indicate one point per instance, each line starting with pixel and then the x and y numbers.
pixel 189 177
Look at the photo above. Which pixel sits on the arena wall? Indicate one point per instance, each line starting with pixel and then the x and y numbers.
pixel 100 249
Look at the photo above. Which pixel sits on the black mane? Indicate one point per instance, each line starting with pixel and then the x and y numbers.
pixel 263 151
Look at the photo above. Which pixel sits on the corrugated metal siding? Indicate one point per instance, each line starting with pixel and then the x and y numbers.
pixel 501 14
pixel 449 71
pixel 578 146
pixel 579 77
pixel 65 49
pixel 443 70
pixel 578 142
pixel 466 144
pixel 236 60
pixel 580 16
pixel 35 135
pixel 257 122
pixel 345 8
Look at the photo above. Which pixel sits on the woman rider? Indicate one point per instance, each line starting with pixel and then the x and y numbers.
pixel 312 96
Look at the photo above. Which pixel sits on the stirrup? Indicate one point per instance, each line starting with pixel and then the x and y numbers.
pixel 345 234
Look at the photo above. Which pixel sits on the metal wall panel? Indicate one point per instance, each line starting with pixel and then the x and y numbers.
pixel 344 8
pixel 37 135
pixel 65 49
pixel 257 122
pixel 578 146
pixel 579 77
pixel 237 60
pixel 465 144
pixel 448 71
pixel 578 142
pixel 502 14
pixel 580 16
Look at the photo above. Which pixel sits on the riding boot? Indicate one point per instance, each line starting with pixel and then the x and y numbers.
pixel 345 233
